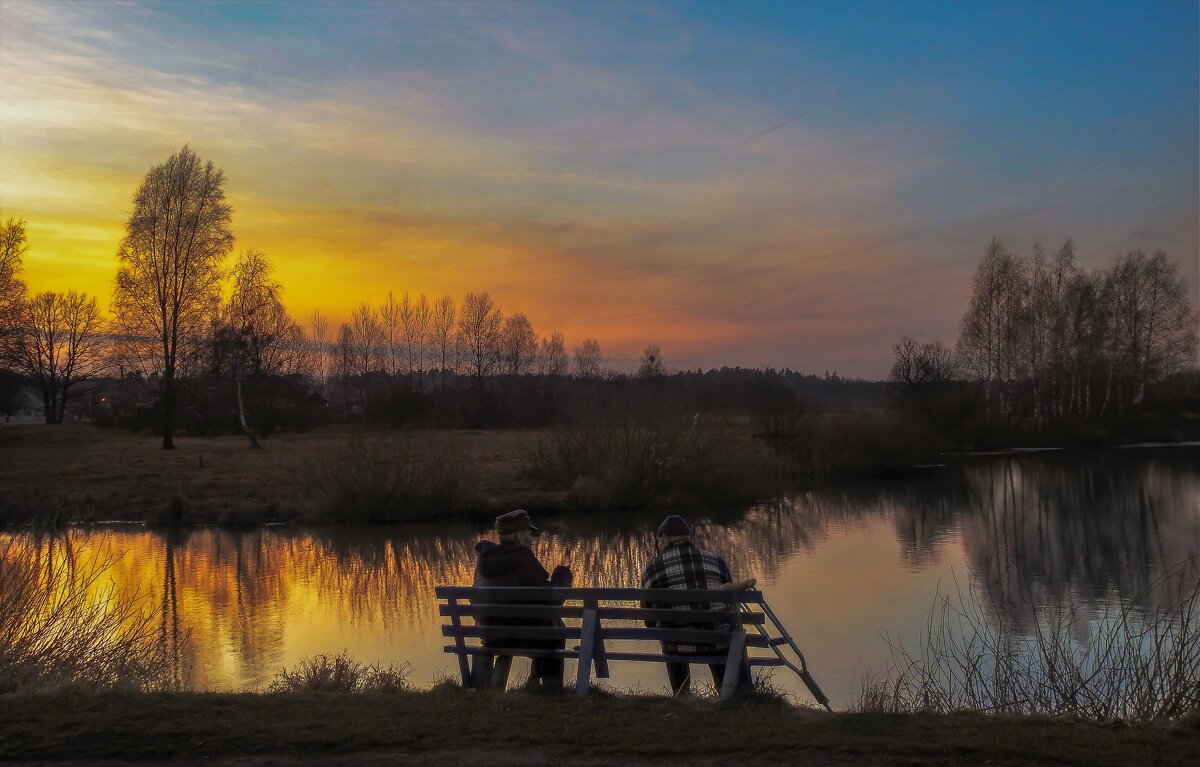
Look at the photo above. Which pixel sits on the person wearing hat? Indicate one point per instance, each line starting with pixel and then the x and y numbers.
pixel 680 564
pixel 511 562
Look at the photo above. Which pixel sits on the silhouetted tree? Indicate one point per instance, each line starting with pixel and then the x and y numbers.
pixel 319 348
pixel 479 333
pixel 344 364
pixel 1153 322
pixel 921 373
pixel 255 335
pixel 389 326
pixel 12 289
pixel 651 363
pixel 518 344
pixel 367 339
pixel 416 317
pixel 58 344
pixel 443 332
pixel 168 282
pixel 554 355
pixel 588 359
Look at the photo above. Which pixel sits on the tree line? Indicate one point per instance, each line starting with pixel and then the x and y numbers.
pixel 1042 341
pixel 1045 342
pixel 180 312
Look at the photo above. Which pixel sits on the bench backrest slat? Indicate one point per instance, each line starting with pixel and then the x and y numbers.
pixel 486 594
pixel 605 612
pixel 677 635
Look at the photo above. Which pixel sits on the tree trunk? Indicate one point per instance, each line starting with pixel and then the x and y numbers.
pixel 237 377
pixel 1107 391
pixel 168 442
pixel 49 403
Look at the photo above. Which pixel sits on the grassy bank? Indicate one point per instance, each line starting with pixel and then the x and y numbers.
pixel 451 725
pixel 79 473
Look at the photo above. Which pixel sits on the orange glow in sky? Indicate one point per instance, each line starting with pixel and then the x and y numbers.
pixel 610 171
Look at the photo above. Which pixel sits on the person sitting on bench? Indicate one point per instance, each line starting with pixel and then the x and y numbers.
pixel 681 565
pixel 512 562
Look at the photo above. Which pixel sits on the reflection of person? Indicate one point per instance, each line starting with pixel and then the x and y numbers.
pixel 511 562
pixel 681 565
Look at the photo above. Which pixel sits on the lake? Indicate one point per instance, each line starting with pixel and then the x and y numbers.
pixel 843 566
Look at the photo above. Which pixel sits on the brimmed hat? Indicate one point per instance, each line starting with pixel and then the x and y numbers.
pixel 674 525
pixel 515 522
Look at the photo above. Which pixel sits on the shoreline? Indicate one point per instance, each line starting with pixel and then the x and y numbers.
pixel 80 476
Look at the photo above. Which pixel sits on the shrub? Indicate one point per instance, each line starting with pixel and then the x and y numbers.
pixel 660 460
pixel 340 673
pixel 390 481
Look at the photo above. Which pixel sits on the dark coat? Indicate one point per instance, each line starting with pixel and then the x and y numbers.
pixel 515 565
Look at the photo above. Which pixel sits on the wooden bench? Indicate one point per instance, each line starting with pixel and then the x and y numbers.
pixel 599 626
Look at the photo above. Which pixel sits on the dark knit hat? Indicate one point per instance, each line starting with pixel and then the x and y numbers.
pixel 674 525
pixel 515 522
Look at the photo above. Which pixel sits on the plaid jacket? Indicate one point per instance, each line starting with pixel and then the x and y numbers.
pixel 683 566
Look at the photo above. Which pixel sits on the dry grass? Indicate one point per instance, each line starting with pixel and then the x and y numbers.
pixel 390 481
pixel 80 473
pixel 454 726
pixel 62 623
pixel 1133 663
pixel 340 673
pixel 658 460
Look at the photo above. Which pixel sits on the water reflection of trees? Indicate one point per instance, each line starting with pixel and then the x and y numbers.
pixel 1057 530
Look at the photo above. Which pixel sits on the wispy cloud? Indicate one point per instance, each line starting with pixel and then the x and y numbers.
pixel 593 166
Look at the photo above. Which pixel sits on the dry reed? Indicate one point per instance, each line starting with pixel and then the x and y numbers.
pixel 63 623
pixel 1127 661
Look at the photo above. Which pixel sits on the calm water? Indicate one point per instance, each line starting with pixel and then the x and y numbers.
pixel 840 566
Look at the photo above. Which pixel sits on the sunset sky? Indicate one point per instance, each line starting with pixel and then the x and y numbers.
pixel 759 184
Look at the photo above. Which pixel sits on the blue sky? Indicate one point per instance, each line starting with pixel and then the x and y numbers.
pixel 792 184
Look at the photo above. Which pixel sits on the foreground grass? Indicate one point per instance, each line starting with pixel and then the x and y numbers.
pixel 82 725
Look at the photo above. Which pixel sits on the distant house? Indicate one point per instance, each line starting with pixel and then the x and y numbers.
pixel 25 406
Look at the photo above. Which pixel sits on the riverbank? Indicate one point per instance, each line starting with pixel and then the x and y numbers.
pixel 448 725
pixel 80 474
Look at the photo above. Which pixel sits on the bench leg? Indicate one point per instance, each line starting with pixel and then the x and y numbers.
pixel 733 664
pixel 499 680
pixel 481 672
pixel 587 650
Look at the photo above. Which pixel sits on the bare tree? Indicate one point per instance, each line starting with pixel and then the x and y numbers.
pixel 58 345
pixel 651 363
pixel 990 342
pixel 443 332
pixel 168 282
pixel 12 289
pixel 921 372
pixel 554 355
pixel 1153 322
pixel 255 335
pixel 415 321
pixel 389 322
pixel 320 348
pixel 479 326
pixel 519 344
pixel 588 359
pixel 344 364
pixel 367 337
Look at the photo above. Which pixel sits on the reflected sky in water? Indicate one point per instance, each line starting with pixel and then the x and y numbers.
pixel 840 566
